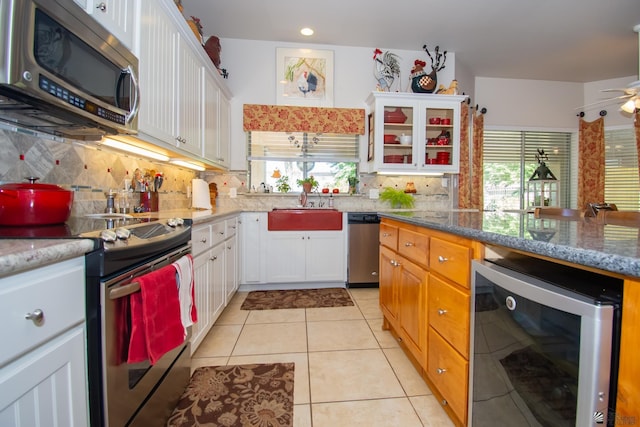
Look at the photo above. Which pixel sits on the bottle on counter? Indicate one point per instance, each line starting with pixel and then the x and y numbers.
pixel 330 200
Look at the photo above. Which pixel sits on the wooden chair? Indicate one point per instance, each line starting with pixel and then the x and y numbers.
pixel 558 213
pixel 627 218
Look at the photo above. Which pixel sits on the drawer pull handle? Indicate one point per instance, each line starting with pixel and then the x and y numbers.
pixel 386 234
pixel 408 244
pixel 37 317
pixel 442 259
pixel 213 258
pixel 203 240
pixel 441 371
pixel 102 7
pixel 442 312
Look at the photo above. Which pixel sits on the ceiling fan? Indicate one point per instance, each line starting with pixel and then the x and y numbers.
pixel 631 94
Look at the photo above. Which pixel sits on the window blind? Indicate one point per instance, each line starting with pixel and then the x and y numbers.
pixel 509 162
pixel 299 146
pixel 621 183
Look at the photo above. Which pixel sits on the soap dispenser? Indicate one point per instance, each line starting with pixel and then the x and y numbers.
pixel 331 200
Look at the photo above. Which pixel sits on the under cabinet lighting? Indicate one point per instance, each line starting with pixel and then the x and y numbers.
pixel 133 149
pixel 188 165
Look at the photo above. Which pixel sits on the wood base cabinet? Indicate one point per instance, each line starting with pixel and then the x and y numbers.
pixel 425 300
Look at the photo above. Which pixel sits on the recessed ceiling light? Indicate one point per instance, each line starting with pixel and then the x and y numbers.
pixel 306 31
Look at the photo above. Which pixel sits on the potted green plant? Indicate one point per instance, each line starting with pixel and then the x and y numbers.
pixel 282 184
pixel 308 184
pixel 397 198
pixel 353 181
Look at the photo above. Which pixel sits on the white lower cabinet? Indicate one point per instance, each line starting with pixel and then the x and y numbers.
pixel 43 379
pixel 306 256
pixel 215 273
pixel 253 247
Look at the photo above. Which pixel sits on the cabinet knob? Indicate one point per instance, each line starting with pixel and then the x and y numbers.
pixel 229 247
pixel 441 371
pixel 442 259
pixel 37 317
pixel 213 258
pixel 444 402
pixel 102 7
pixel 408 244
pixel 221 232
pixel 203 240
pixel 442 312
pixel 386 234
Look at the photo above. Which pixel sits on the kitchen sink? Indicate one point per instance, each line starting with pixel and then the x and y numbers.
pixel 304 219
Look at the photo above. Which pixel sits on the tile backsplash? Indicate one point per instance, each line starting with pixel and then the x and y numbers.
pixel 84 168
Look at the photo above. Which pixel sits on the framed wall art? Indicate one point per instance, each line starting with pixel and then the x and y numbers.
pixel 304 77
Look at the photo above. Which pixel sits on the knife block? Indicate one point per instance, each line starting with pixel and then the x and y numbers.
pixel 149 201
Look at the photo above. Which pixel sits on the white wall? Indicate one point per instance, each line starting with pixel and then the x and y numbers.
pixel 549 105
pixel 252 78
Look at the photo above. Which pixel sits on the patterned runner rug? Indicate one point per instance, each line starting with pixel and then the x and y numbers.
pixel 237 396
pixel 297 298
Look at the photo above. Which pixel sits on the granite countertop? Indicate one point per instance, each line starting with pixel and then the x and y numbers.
pixel 585 242
pixel 18 255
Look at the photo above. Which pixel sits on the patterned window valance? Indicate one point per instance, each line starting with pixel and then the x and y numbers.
pixel 276 118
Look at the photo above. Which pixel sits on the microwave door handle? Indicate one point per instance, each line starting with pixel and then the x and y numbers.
pixel 136 89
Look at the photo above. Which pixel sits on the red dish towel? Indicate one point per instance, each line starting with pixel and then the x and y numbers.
pixel 156 327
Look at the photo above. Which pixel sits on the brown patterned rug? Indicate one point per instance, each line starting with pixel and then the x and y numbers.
pixel 237 395
pixel 297 298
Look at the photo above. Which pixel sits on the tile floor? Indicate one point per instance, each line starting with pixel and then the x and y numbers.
pixel 348 371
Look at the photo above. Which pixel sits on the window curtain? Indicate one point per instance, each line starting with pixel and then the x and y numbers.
pixel 591 157
pixel 276 118
pixel 470 178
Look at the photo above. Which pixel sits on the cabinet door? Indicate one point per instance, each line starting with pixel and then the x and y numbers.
pixel 253 247
pixel 202 283
pixel 286 258
pixel 217 290
pixel 394 120
pixel 325 256
pixel 224 142
pixel 211 104
pixel 48 385
pixel 189 98
pixel 116 16
pixel 388 278
pixel 157 68
pixel 441 141
pixel 412 303
pixel 231 269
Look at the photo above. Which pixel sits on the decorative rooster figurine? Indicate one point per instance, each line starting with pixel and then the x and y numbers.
pixel 386 69
pixel 421 82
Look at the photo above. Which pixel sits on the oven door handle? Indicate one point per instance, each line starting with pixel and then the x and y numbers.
pixel 123 291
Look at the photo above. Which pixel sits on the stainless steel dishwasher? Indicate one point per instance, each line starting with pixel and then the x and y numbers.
pixel 363 258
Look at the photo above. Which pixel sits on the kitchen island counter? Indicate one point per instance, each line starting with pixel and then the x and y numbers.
pixel 611 248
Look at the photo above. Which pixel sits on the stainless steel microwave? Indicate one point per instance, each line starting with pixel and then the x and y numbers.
pixel 64 74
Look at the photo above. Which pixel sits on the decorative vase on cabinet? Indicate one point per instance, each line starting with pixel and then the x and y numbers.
pixel 431 122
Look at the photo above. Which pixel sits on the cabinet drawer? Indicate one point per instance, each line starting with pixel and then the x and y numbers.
pixel 218 232
pixel 389 236
pixel 449 314
pixel 200 239
pixel 449 372
pixel 451 260
pixel 413 245
pixel 57 290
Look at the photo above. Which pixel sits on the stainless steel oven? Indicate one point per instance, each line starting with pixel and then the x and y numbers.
pixel 545 344
pixel 138 394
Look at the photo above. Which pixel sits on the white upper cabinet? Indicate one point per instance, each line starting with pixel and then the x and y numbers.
pixel 117 16
pixel 180 88
pixel 415 133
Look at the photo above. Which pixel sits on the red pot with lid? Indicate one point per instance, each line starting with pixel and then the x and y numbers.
pixel 30 203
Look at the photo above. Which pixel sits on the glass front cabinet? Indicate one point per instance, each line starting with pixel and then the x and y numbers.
pixel 414 132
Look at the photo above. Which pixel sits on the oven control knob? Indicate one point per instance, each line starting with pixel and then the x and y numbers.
pixel 511 303
pixel 174 222
pixel 108 235
pixel 123 233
